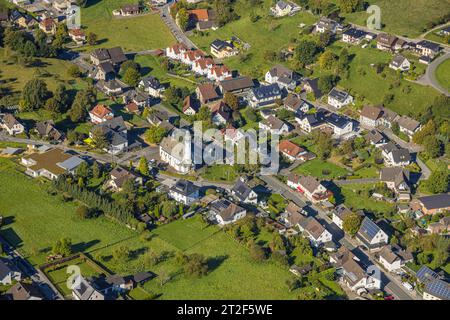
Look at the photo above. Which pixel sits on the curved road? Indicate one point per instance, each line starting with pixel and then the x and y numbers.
pixel 430 75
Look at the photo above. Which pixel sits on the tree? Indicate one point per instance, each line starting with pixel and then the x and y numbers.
pixel 327 60
pixel 155 134
pixel 256 251
pixel 63 247
pixel 99 138
pixel 74 71
pixel 428 129
pixel 183 19
pixel 82 212
pixel 143 167
pixel 231 100
pixel 83 170
pixel 121 254
pixel 83 101
pixel 92 38
pixel 129 64
pixel 292 284
pixel 438 182
pixel 395 128
pixel 323 144
pixel 96 170
pixel 132 77
pixel 34 95
pixel 72 136
pixel 306 51
pixel 169 209
pixel 433 146
pixel 351 223
pixel 327 82
pixel 195 265
pixel 349 6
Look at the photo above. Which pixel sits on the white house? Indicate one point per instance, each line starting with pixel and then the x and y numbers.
pixel 101 113
pixel 400 63
pixel 338 215
pixel 310 122
pixel 244 193
pixel 8 273
pixel 274 125
pixel 290 150
pixel 264 95
pixel 11 124
pixel 309 186
pixel 184 191
pixel 340 124
pixel 353 36
pixel 370 116
pixel 397 179
pixel 282 76
pixel 395 156
pixel 176 51
pixel 152 86
pixel 408 125
pixel 326 24
pixel 316 233
pixel 338 98
pixel 116 134
pixel 177 154
pixel 371 235
pixel 83 290
pixel 281 9
pixel 393 258
pixel 226 212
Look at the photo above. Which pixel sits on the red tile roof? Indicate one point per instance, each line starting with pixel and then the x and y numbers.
pixel 101 111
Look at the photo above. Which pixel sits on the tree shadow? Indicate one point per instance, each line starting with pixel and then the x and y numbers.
pixel 83 246
pixel 12 237
pixel 214 263
pixel 134 254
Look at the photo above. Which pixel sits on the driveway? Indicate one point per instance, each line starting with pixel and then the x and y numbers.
pixel 429 78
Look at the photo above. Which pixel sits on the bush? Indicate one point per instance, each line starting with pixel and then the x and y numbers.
pixel 83 212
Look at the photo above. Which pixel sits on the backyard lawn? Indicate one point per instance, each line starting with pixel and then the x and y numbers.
pixel 222 172
pixel 131 33
pixel 402 17
pixel 357 201
pixel 321 169
pixel 266 34
pixel 443 74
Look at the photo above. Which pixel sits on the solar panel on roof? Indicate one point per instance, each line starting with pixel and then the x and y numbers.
pixel 369 227
pixel 439 289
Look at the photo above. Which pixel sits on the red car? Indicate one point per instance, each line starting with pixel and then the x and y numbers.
pixel 390 297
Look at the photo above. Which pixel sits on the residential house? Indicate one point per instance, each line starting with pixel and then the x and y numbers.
pixel 441 227
pixel 376 138
pixel 184 191
pixel 309 186
pixel 284 77
pixel 120 284
pixel 103 71
pixel 207 93
pixel 400 63
pixel 370 116
pixel 314 231
pixel 338 98
pixel 274 125
pixel 101 113
pixel 386 42
pixel 434 287
pixel 219 73
pixel 397 179
pixel 223 49
pixel 339 124
pixel 353 36
pixel 232 134
pixel 114 56
pixel 8 272
pixel 428 48
pixel 51 164
pixel 357 278
pixel 190 105
pixel 189 57
pixel 297 105
pixel 48 25
pixel 9 123
pixel 244 193
pixel 327 25
pixel 110 87
pixel 435 204
pixel 83 290
pixel 292 215
pixel 22 20
pixel 152 86
pixel 395 156
pixel 118 176
pixel 142 99
pixel 130 10
pixel 47 130
pixel 116 134
pixel 290 150
pixel 226 212
pixel 338 215
pixel 282 8
pixel 388 117
pixel 408 125
pixel 176 51
pixel 177 154
pixel 236 85
pixel 203 66
pixel 394 258
pixel 310 122
pixel 77 35
pixel 371 235
pixel 24 291
pixel 312 86
pixel 264 96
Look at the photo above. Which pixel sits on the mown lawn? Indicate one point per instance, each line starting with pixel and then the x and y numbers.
pixel 220 172
pixel 321 169
pixel 443 74
pixel 35 220
pixel 371 88
pixel 404 17
pixel 360 201
pixel 131 33
pixel 52 71
pixel 266 34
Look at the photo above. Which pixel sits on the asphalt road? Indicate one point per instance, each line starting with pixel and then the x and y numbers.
pixel 430 75
pixel 174 29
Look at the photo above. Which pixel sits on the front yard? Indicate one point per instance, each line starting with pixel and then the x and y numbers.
pixel 321 169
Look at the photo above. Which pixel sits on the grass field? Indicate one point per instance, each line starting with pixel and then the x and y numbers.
pixel 443 74
pixel 371 88
pixel 318 167
pixel 404 17
pixel 266 34
pixel 36 220
pixel 436 37
pixel 219 173
pixel 52 71
pixel 359 201
pixel 131 33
